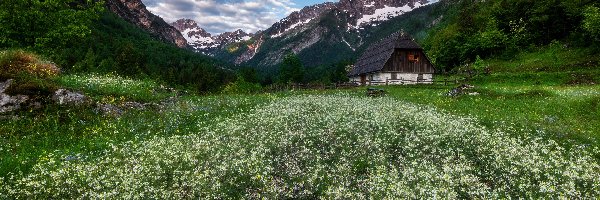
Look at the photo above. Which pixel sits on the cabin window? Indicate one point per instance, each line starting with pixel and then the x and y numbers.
pixel 394 76
pixel 370 77
pixel 413 56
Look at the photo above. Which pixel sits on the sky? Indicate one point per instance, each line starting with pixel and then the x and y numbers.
pixel 218 16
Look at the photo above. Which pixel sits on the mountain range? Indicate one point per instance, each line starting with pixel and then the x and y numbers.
pixel 341 27
pixel 320 34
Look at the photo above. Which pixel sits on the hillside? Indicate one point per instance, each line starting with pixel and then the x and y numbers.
pixel 135 12
pixel 119 37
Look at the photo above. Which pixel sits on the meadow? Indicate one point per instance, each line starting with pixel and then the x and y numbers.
pixel 513 139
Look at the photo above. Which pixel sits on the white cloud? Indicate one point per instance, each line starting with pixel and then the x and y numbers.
pixel 218 16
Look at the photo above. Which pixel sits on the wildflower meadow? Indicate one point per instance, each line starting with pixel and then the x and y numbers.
pixel 332 146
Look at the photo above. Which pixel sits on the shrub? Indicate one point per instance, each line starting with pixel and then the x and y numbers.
pixel 16 62
pixel 31 73
pixel 242 87
pixel 591 22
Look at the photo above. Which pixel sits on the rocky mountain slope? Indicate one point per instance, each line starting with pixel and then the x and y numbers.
pixel 135 12
pixel 320 34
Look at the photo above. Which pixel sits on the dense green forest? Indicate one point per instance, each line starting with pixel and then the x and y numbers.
pixel 81 36
pixel 503 28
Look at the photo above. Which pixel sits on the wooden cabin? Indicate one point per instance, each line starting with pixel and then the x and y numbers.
pixel 396 59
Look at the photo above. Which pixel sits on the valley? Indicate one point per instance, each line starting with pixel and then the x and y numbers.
pixel 121 104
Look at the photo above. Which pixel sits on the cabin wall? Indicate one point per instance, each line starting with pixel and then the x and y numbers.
pixel 400 62
pixel 387 78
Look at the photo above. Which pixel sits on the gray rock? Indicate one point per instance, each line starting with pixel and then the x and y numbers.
pixel 460 90
pixel 110 110
pixel 134 105
pixel 10 103
pixel 4 85
pixel 66 97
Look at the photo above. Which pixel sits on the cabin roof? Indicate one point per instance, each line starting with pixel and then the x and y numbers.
pixel 376 55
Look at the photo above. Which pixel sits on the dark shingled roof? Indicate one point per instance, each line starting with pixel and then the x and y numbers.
pixel 375 57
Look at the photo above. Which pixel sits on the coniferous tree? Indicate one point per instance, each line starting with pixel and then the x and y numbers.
pixel 46 24
pixel 291 69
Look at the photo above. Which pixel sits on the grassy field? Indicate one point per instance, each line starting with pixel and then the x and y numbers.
pixel 563 112
pixel 530 129
pixel 515 139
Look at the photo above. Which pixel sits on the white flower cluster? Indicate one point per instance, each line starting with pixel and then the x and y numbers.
pixel 110 84
pixel 319 146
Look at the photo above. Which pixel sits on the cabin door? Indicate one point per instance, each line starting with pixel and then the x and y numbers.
pixel 363 79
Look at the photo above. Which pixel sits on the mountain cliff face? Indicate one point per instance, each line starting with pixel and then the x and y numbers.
pixel 135 12
pixel 323 33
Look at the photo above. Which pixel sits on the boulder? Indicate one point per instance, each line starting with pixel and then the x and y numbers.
pixel 110 110
pixel 134 105
pixel 4 85
pixel 460 90
pixel 10 103
pixel 66 97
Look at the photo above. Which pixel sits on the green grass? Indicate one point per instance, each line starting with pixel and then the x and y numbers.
pixel 564 112
pixel 527 133
pixel 308 144
pixel 68 129
pixel 556 57
pixel 103 86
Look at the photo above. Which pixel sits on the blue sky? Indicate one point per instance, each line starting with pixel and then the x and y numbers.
pixel 218 16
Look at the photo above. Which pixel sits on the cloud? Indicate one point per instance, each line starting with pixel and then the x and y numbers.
pixel 218 16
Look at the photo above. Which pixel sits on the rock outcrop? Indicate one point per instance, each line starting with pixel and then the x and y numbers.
pixel 10 103
pixel 135 12
pixel 67 97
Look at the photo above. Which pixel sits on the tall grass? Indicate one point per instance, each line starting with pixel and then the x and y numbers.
pixel 556 57
pixel 102 86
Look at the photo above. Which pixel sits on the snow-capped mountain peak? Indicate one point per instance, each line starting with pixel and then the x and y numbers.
pixel 202 41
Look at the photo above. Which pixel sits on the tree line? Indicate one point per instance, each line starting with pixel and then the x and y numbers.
pixel 475 28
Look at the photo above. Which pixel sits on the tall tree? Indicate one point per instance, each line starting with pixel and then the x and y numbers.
pixel 591 22
pixel 291 69
pixel 46 23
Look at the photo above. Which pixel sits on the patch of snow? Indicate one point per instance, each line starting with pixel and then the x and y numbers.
pixel 344 39
pixel 386 13
pixel 246 38
pixel 292 27
pixel 195 38
pixel 370 5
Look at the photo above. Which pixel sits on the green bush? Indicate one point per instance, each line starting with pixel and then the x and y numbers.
pixel 32 74
pixel 241 86
pixel 14 63
pixel 591 22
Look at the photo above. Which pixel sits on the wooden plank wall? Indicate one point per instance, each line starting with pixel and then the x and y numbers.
pixel 399 63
